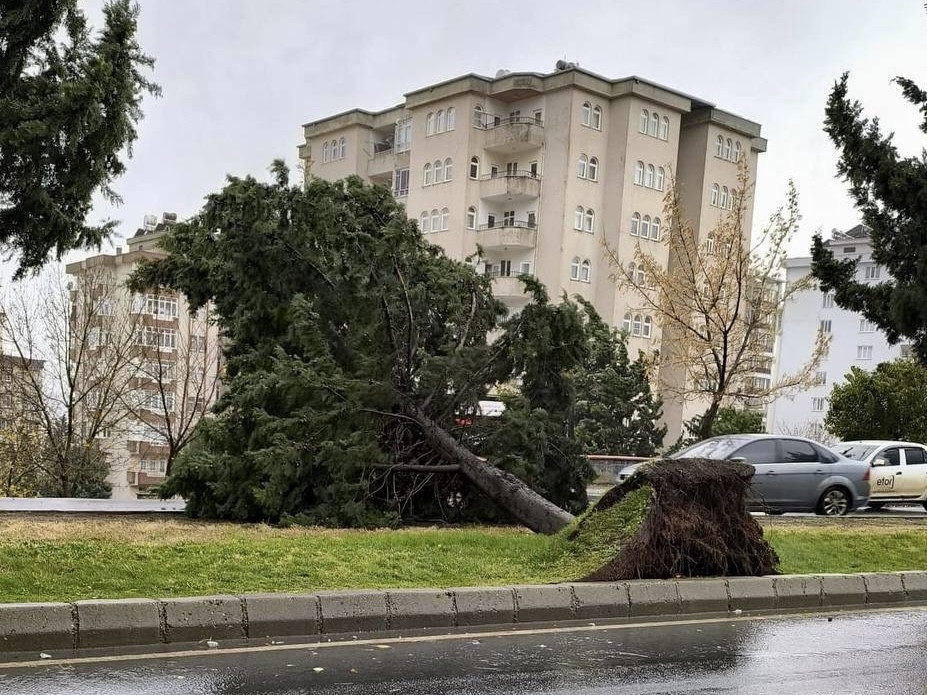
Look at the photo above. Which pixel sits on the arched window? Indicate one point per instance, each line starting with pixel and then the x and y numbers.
pixel 648 180
pixel 661 176
pixel 647 328
pixel 636 224
pixel 641 278
pixel 710 242
pixel 626 323
pixel 639 173
pixel 645 121
pixel 440 122
pixel 430 124
pixel 715 192
pixel 424 222
pixel 585 270
pixel 654 125
pixel 451 118
pixel 664 128
pixel 578 218
pixel 326 147
pixel 445 218
pixel 428 177
pixel 587 113
pixel 581 166
pixel 632 271
pixel 334 150
pixel 737 151
pixel 723 199
pixel 474 167
pixel 636 325
pixel 439 171
pixel 574 268
pixel 719 146
pixel 645 227
pixel 435 220
pixel 342 148
pixel 597 118
pixel 589 220
pixel 477 116
pixel 655 229
pixel 593 173
pixel 448 169
pixel 728 149
pixel 471 217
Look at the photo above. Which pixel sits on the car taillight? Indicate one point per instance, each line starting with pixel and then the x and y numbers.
pixel 866 474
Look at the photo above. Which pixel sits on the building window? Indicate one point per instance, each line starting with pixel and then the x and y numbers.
pixel 430 124
pixel 723 200
pixel 647 328
pixel 197 343
pixel 326 149
pixel 440 123
pixel 728 149
pixel 664 128
pixel 817 404
pixel 435 221
pixel 828 300
pixel 585 271
pixel 737 151
pixel 574 268
pixel 866 326
pixel 342 148
pixel 445 217
pixel 645 120
pixel 578 218
pixel 424 222
pixel 161 305
pixel 719 147
pixel 401 182
pixel 864 352
pixel 508 218
pixel 655 229
pixel 448 169
pixel 710 242
pixel 428 177
pixel 471 217
pixel 654 125
pixel 636 325
pixel 635 224
pixel 645 227
pixel 593 172
pixel 403 136
pixel 597 118
pixel 820 378
pixel 474 167
pixel 162 338
pixel 849 249
pixel 873 272
pixel 648 181
pixel 715 192
pixel 451 118
pixel 661 176
pixel 439 171
pixel 587 114
pixel 639 173
pixel 582 165
pixel 589 221
pixel 626 323
pixel 632 271
pixel 825 326
pixel 477 116
pixel 539 116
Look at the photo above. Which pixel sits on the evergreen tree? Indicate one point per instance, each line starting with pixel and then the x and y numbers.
pixel 69 104
pixel 890 190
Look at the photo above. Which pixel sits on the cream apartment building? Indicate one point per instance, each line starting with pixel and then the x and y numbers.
pixel 539 170
pixel 169 376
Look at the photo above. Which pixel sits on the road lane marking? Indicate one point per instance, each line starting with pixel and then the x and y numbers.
pixel 509 632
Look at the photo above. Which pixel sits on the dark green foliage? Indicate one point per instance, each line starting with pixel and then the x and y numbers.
pixel 71 471
pixel 891 192
pixel 889 402
pixel 615 410
pixel 731 420
pixel 69 104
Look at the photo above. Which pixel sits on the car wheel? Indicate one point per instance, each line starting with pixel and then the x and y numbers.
pixel 834 502
pixel 876 506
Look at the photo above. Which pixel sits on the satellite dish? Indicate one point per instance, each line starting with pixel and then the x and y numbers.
pixel 562 65
pixel 502 73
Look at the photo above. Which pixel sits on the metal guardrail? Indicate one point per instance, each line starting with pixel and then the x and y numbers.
pixel 490 121
pixel 519 224
pixel 511 174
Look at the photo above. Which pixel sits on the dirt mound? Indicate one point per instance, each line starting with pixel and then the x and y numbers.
pixel 694 524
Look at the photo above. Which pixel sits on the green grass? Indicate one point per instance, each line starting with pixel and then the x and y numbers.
pixel 48 561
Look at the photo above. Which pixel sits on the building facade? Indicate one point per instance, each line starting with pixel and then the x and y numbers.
pixel 855 342
pixel 539 170
pixel 162 363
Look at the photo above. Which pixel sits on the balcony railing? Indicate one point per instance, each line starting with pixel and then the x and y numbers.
pixel 518 224
pixel 490 121
pixel 497 273
pixel 511 174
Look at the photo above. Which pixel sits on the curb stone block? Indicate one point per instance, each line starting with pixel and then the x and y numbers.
pixel 653 597
pixel 353 611
pixel 416 608
pixel 797 591
pixel 277 615
pixel 205 617
pixel 915 585
pixel 702 595
pixel 477 606
pixel 751 593
pixel 103 623
pixel 594 600
pixel 543 602
pixel 883 588
pixel 843 589
pixel 28 626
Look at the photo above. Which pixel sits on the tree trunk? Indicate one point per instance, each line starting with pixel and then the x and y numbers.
pixel 706 424
pixel 508 492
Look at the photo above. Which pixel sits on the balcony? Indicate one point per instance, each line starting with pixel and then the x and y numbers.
pixel 513 135
pixel 515 234
pixel 382 164
pixel 510 186
pixel 509 289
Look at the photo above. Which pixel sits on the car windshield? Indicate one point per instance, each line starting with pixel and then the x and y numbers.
pixel 857 452
pixel 716 448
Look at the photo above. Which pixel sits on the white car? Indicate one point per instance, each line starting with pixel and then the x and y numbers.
pixel 899 470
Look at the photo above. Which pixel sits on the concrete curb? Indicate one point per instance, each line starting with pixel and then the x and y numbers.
pixel 111 623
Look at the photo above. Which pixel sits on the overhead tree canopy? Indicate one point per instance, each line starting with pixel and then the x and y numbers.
pixel 69 104
pixel 891 191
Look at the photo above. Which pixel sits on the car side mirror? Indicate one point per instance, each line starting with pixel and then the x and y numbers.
pixel 738 459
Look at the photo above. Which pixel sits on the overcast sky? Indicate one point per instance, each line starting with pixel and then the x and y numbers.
pixel 239 78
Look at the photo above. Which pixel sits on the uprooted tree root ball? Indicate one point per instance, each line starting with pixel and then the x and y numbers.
pixel 677 518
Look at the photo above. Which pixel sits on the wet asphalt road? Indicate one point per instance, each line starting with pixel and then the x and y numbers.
pixel 877 652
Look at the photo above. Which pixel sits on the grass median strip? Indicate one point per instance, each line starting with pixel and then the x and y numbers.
pixel 78 559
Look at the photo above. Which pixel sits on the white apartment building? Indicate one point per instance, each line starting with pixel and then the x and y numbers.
pixel 855 342
pixel 172 366
pixel 540 169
